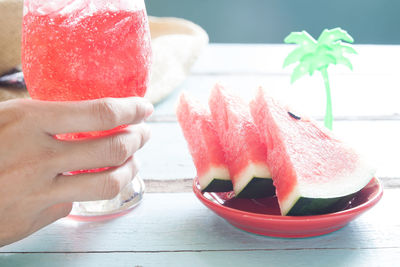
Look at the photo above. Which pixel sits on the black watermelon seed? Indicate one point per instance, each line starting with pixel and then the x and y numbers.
pixel 294 116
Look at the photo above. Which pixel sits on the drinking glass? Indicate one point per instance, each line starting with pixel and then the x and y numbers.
pixel 87 49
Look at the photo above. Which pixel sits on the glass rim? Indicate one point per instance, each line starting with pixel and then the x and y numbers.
pixel 83 7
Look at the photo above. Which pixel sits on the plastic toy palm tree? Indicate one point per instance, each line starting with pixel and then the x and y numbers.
pixel 316 55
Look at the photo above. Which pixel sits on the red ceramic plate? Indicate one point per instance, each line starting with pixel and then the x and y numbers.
pixel 261 216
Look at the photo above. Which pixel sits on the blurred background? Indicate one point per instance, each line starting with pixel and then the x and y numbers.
pixel 269 21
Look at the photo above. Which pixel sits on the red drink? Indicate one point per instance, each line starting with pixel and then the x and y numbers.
pixel 88 49
pixel 86 55
pixel 75 57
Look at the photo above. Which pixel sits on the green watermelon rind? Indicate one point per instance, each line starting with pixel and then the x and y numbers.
pixel 218 185
pixel 216 179
pixel 305 206
pixel 257 188
pixel 255 182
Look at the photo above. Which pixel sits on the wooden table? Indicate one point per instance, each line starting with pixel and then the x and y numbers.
pixel 172 228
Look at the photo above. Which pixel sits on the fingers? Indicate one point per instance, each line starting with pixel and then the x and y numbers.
pixel 51 214
pixel 94 186
pixel 85 116
pixel 109 151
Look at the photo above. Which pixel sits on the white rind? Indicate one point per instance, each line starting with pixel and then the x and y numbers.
pixel 252 170
pixel 345 183
pixel 220 173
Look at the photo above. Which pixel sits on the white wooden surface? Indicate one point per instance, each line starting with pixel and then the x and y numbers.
pixel 177 226
pixel 174 229
pixel 262 258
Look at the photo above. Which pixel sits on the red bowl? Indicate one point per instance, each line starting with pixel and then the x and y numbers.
pixel 262 216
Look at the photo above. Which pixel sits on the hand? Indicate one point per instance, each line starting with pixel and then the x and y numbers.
pixel 33 191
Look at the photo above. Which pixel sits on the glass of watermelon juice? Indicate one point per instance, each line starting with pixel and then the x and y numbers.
pixel 87 49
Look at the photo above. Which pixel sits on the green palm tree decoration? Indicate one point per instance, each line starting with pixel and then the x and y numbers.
pixel 317 55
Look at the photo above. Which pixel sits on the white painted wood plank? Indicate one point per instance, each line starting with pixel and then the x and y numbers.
pixel 166 155
pixel 352 95
pixel 179 222
pixel 308 258
pixel 268 58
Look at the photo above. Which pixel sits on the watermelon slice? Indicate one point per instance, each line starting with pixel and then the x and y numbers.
pixel 312 170
pixel 245 155
pixel 208 157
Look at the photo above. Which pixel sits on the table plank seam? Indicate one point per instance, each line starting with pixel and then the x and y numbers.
pixel 193 250
pixel 390 117
pixel 271 73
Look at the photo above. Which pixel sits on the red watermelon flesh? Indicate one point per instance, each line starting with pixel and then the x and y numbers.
pixel 245 155
pixel 204 146
pixel 312 170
